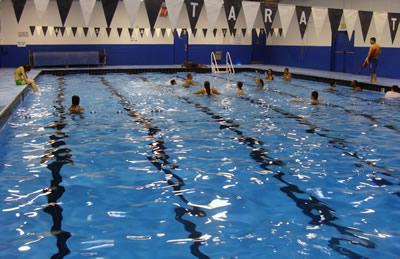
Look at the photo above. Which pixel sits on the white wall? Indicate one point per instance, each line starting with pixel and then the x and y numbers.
pixel 12 33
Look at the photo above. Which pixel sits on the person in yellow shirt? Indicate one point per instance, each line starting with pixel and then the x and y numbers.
pixel 75 108
pixel 21 77
pixel 208 90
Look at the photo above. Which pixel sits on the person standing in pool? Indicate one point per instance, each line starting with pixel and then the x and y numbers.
pixel 332 86
pixel 239 86
pixel 189 81
pixel 355 87
pixel 208 90
pixel 75 108
pixel 269 76
pixel 314 98
pixel 287 76
pixel 373 59
pixel 259 81
pixel 21 77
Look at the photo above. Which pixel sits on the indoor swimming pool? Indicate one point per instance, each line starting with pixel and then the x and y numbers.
pixel 152 170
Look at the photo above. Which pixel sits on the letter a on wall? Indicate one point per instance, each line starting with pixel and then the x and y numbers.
pixel 232 10
pixel 109 7
pixel 303 16
pixel 268 12
pixel 153 8
pixel 394 21
pixel 365 20
pixel 194 8
pixel 63 8
pixel 19 6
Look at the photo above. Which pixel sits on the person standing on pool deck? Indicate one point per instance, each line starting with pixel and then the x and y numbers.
pixel 189 81
pixel 394 93
pixel 287 76
pixel 21 77
pixel 208 90
pixel 373 59
pixel 75 108
pixel 239 86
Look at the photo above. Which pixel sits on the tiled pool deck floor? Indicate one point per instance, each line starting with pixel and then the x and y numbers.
pixel 9 91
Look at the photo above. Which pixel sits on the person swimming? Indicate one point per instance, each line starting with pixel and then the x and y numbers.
pixel 189 81
pixel 259 81
pixel 287 76
pixel 269 76
pixel 208 90
pixel 75 108
pixel 21 77
pixel 239 86
pixel 172 82
pixel 394 93
pixel 332 86
pixel 314 98
pixel 355 87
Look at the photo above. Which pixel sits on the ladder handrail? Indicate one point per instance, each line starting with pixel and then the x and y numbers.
pixel 214 63
pixel 229 63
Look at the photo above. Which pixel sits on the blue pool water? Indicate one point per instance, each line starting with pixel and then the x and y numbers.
pixel 151 170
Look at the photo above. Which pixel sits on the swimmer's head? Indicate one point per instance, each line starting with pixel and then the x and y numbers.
pixel 354 83
pixel 172 82
pixel 239 85
pixel 269 71
pixel 333 83
pixel 189 76
pixel 372 40
pixel 75 100
pixel 286 70
pixel 396 89
pixel 314 95
pixel 207 87
pixel 27 67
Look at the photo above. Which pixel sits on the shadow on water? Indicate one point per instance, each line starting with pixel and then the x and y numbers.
pixel 159 159
pixel 319 213
pixel 58 156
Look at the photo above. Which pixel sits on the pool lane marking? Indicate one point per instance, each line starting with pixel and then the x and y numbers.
pixel 159 159
pixel 62 156
pixel 309 204
pixel 337 143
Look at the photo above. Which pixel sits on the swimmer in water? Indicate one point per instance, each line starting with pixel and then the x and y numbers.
pixel 287 76
pixel 373 59
pixel 314 98
pixel 21 77
pixel 75 108
pixel 208 90
pixel 394 93
pixel 355 87
pixel 239 86
pixel 259 81
pixel 269 76
pixel 332 86
pixel 189 81
pixel 172 82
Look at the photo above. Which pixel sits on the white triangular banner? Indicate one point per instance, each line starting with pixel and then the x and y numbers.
pixel 350 18
pixel 319 17
pixel 158 32
pixel 258 32
pixel 179 31
pixel 174 10
pixel 286 13
pixel 213 9
pixel 132 9
pixel 250 10
pixel 87 7
pixel 147 32
pixel 276 32
pixel 380 20
pixel 41 6
pixel 168 32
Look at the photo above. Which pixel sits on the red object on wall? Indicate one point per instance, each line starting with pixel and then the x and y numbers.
pixel 164 11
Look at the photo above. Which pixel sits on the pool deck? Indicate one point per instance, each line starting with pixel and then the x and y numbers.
pixel 12 95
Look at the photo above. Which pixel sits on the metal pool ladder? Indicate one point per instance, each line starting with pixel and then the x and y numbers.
pixel 216 69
